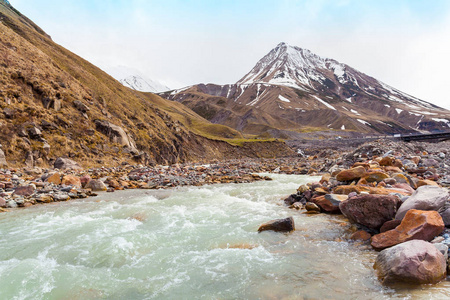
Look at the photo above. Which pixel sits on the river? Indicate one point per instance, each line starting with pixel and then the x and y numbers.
pixel 187 243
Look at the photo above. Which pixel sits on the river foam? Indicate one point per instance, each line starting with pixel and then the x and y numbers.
pixel 185 243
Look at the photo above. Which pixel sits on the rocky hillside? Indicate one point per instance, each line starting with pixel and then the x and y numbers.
pixel 292 90
pixel 54 103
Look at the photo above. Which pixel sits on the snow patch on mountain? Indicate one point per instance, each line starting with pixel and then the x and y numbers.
pixel 284 99
pixel 135 80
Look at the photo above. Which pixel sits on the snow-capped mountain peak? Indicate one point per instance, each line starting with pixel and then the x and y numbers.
pixel 135 80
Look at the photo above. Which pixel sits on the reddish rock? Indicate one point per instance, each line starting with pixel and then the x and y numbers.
pixel 392 169
pixel 351 174
pixel 413 262
pixel 387 161
pixel 71 180
pixel 25 190
pixel 281 225
pixel 404 186
pixel 347 189
pixel 375 176
pixel 426 182
pixel 310 206
pixel 325 204
pixel 85 179
pixel 360 235
pixel 389 225
pixel 54 178
pixel 370 210
pixel 416 225
pixel 2 202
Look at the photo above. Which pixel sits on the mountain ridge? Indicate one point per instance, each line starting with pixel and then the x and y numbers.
pixel 292 89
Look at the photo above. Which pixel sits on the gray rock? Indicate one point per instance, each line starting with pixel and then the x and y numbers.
pixel 115 133
pixel 443 248
pixel 412 262
pixel 81 106
pixel 60 197
pixel 65 163
pixel 424 198
pixel 281 225
pixel 445 214
pixel 11 204
pixel 96 185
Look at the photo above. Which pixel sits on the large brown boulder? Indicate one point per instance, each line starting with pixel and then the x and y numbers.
pixel 54 178
pixel 328 203
pixel 25 190
pixel 281 225
pixel 351 174
pixel 413 262
pixel 424 198
pixel 71 180
pixel 416 225
pixel 370 210
pixel 96 185
pixel 63 163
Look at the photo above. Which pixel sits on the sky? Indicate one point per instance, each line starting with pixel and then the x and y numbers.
pixel 404 43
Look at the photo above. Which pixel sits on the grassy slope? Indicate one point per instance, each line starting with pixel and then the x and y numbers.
pixel 34 70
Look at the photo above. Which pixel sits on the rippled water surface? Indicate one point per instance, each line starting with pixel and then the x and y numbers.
pixel 186 243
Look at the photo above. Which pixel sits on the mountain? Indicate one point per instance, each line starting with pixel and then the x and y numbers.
pixel 292 90
pixel 135 80
pixel 54 103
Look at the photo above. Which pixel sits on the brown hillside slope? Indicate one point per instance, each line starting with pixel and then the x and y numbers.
pixel 55 103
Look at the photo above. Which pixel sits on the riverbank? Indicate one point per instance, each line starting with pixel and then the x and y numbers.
pixel 67 180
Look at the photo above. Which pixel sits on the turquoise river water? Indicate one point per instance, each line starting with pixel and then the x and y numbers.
pixel 186 243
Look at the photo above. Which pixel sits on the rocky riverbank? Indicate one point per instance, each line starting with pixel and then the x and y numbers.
pixel 395 194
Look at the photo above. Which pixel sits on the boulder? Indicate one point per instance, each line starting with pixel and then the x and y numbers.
pixel 63 163
pixel 85 179
pixel 413 262
pixel 54 178
pixel 61 197
pixel 115 133
pixel 351 174
pixel 426 182
pixel 424 198
pixel 71 180
pixel 370 210
pixel 325 204
pixel 310 206
pixel 96 185
pixel 25 190
pixel 2 202
pixel 389 225
pixel 416 225
pixel 283 225
pixel 375 176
